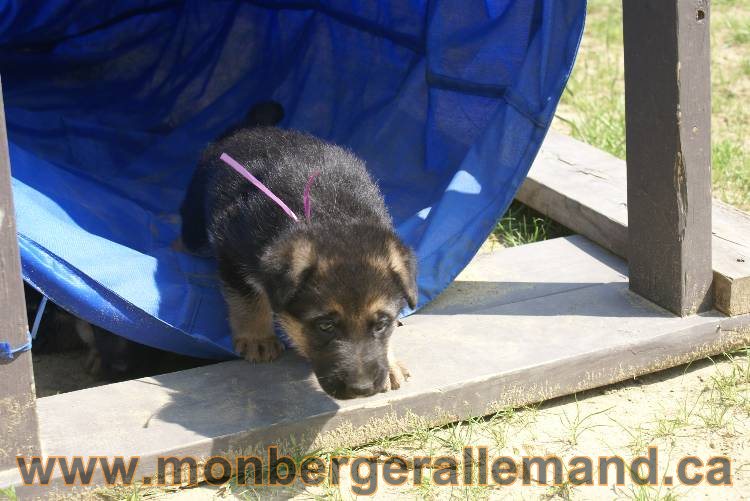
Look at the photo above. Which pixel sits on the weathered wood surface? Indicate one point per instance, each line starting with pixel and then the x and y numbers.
pixel 585 189
pixel 519 325
pixel 18 420
pixel 731 259
pixel 668 136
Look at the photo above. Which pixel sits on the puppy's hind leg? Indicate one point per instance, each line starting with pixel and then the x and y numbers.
pixel 251 319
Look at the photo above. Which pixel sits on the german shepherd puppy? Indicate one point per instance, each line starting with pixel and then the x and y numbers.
pixel 335 283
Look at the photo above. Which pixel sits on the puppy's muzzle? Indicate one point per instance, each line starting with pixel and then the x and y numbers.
pixel 361 383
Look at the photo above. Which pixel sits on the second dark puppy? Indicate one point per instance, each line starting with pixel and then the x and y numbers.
pixel 336 283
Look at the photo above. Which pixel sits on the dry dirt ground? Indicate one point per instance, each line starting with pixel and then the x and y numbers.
pixel 62 372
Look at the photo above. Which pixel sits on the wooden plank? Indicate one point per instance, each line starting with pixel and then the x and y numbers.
pixel 584 188
pixel 19 433
pixel 486 283
pixel 668 136
pixel 731 259
pixel 519 348
pixel 581 187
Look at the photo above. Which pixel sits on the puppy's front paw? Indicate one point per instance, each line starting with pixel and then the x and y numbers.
pixel 259 350
pixel 397 375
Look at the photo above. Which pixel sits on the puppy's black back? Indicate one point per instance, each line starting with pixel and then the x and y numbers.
pixel 193 209
pixel 240 221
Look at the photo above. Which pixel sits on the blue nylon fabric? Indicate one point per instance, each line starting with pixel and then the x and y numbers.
pixel 109 104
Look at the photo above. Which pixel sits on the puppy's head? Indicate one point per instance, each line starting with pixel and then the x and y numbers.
pixel 337 293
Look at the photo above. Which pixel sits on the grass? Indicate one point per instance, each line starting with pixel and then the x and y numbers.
pixel 732 388
pixel 592 107
pixel 727 394
pixel 8 493
pixel 649 493
pixel 577 425
pixel 521 225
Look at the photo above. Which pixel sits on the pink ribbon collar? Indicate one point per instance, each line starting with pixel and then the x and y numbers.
pixel 234 164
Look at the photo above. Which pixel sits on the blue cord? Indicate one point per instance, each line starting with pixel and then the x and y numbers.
pixel 38 317
pixel 8 352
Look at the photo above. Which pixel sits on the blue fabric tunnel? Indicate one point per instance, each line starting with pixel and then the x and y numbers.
pixel 109 104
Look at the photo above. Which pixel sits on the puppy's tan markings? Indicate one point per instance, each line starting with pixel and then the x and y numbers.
pixel 251 319
pixel 400 261
pixel 295 331
pixel 397 372
pixel 336 308
pixel 325 264
pixel 380 263
pixel 377 304
pixel 373 306
pixel 303 256
pixel 396 260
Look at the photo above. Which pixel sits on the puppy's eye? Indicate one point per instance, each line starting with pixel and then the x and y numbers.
pixel 325 325
pixel 381 326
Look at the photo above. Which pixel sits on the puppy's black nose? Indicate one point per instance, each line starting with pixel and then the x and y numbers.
pixel 360 388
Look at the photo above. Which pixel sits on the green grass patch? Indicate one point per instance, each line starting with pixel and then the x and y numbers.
pixel 8 493
pixel 592 107
pixel 522 225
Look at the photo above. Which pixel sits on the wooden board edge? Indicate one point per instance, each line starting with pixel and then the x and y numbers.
pixel 522 387
pixel 731 291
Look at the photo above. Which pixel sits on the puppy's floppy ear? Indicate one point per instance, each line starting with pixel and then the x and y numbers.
pixel 403 265
pixel 284 267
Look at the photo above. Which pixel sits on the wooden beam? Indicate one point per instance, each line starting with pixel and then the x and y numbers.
pixel 668 116
pixel 19 431
pixel 518 326
pixel 584 188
